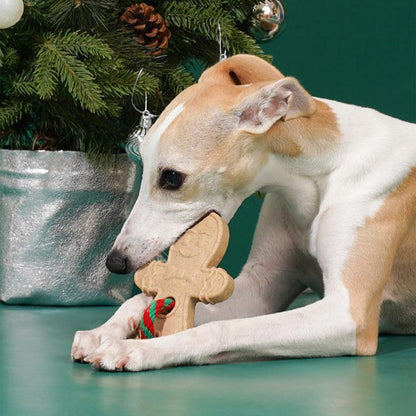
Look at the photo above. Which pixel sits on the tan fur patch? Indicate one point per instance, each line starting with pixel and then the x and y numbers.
pixel 305 135
pixel 369 265
pixel 241 69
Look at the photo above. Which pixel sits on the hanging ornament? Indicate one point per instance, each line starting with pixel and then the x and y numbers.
pixel 10 12
pixel 269 16
pixel 149 27
pixel 223 52
pixel 137 135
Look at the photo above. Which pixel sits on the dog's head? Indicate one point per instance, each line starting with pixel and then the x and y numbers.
pixel 206 153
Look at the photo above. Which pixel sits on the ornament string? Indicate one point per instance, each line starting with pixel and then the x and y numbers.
pixel 146 120
pixel 223 52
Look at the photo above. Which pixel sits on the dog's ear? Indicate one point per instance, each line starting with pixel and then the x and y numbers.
pixel 241 70
pixel 282 100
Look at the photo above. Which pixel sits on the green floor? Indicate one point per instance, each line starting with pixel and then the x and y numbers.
pixel 38 378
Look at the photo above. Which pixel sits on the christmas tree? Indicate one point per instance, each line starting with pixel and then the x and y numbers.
pixel 67 68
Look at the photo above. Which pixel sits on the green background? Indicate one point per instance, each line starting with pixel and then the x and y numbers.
pixel 358 52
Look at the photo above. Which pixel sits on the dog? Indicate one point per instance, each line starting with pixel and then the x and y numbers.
pixel 339 216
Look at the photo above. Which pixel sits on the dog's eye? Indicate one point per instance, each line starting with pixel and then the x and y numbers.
pixel 171 179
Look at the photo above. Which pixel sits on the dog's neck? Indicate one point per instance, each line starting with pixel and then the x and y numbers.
pixel 301 159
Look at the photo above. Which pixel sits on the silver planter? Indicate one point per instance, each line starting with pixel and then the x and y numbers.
pixel 59 216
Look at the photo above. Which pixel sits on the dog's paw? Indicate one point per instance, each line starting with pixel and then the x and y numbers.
pixel 118 355
pixel 87 342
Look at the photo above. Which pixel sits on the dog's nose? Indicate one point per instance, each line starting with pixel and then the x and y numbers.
pixel 116 262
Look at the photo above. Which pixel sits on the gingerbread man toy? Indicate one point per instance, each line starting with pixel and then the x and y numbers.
pixel 188 276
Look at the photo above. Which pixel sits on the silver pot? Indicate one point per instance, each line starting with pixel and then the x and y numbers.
pixel 59 216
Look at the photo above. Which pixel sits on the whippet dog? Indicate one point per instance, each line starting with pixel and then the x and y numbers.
pixel 339 217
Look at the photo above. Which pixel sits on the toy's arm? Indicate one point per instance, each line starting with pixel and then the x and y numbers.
pixel 218 286
pixel 148 277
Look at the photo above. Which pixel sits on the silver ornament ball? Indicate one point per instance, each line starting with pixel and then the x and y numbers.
pixel 269 16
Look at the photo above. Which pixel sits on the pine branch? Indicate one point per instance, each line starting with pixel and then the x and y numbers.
pixel 45 76
pixel 10 59
pixel 242 10
pixel 79 80
pixel 11 112
pixel 22 85
pixel 105 76
pixel 80 14
pixel 237 41
pixel 83 44
pixel 179 79
pixel 72 72
pixel 80 130
pixel 133 55
pixel 148 83
pixel 190 17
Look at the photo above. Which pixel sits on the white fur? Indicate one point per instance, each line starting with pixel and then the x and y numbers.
pixel 308 223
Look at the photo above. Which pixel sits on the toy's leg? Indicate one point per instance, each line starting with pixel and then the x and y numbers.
pixel 275 273
pixel 121 325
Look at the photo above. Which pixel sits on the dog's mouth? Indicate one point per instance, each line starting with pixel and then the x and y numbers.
pixel 162 255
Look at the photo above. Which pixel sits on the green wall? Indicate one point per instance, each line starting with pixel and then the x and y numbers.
pixel 358 52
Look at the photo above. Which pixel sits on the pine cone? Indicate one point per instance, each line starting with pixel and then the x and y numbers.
pixel 151 29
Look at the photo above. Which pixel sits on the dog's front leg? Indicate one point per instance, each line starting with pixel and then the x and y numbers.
pixel 320 329
pixel 121 325
pixel 356 261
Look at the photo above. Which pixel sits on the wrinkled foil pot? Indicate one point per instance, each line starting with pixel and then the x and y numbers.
pixel 59 216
